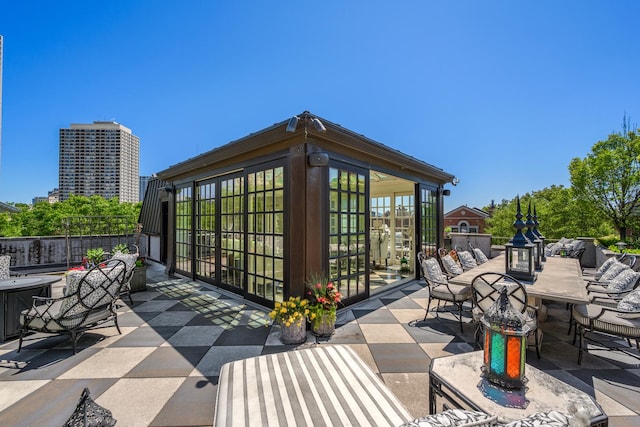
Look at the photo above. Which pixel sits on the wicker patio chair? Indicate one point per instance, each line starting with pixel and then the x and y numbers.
pixel 486 288
pixel 88 302
pixel 439 287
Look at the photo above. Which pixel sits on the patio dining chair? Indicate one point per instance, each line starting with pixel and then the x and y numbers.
pixel 449 264
pixel 439 287
pixel 485 291
pixel 621 320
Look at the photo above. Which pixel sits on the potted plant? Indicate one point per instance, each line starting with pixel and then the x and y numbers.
pixel 324 298
pixel 139 278
pixel 291 315
pixel 95 256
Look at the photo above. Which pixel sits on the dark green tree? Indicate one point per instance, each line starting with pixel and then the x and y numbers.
pixel 609 177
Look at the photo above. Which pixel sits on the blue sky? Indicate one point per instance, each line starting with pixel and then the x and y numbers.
pixel 502 94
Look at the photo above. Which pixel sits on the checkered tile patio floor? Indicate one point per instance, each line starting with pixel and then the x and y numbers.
pixel 163 369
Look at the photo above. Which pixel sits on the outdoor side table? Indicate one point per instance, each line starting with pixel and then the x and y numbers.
pixel 455 382
pixel 15 296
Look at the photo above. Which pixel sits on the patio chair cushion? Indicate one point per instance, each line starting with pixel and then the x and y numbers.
pixel 5 261
pixel 604 267
pixel 93 278
pixel 450 265
pixel 542 419
pixel 451 292
pixel 631 305
pixel 613 271
pixel 607 320
pixel 129 259
pixel 53 321
pixel 432 270
pixel 623 281
pixel 467 260
pixel 454 418
pixel 480 256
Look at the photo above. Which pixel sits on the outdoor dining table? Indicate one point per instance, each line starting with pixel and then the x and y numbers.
pixel 559 280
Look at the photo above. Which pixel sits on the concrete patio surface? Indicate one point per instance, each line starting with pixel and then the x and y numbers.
pixel 163 369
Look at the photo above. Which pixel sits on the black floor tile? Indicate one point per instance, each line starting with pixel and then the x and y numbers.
pixel 168 362
pixel 374 316
pixel 48 365
pixel 243 335
pixel 146 336
pixel 397 358
pixel 191 405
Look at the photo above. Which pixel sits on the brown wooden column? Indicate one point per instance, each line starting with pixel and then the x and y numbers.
pixel 295 232
pixel 317 211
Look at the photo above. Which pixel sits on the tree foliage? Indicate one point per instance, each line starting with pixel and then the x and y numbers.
pixel 559 213
pixel 609 178
pixel 44 219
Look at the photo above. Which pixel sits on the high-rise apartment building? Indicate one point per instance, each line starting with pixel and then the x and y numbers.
pixel 101 158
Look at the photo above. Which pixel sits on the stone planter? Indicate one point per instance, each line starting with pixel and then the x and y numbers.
pixel 139 279
pixel 324 325
pixel 296 333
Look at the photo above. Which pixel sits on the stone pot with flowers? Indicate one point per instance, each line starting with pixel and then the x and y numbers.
pixel 324 299
pixel 291 315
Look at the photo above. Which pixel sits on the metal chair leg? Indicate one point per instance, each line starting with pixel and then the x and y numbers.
pixel 460 316
pixel 580 348
pixel 426 313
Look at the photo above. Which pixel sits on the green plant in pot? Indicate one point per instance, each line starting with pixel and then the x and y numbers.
pixel 95 256
pixel 324 298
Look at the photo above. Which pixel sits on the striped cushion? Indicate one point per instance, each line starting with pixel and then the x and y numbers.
pixel 325 385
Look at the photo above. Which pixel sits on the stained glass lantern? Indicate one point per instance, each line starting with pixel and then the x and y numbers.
pixel 519 258
pixel 530 235
pixel 536 224
pixel 505 344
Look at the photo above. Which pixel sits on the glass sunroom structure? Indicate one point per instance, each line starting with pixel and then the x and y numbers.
pixel 261 215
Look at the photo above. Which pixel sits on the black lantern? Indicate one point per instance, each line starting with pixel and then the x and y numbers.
pixel 530 235
pixel 505 343
pixel 543 256
pixel 519 252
